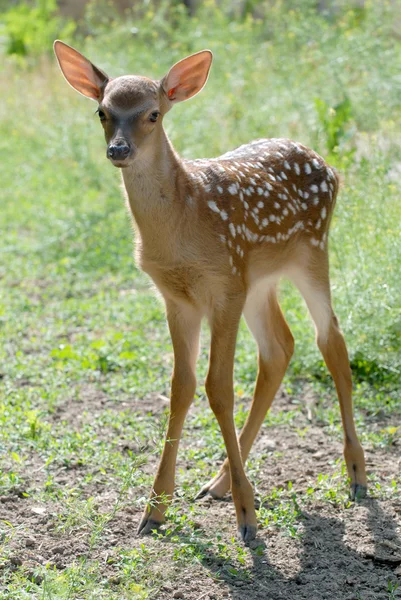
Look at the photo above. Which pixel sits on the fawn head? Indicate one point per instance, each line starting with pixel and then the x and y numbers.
pixel 131 108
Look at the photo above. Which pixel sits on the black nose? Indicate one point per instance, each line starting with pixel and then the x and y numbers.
pixel 118 151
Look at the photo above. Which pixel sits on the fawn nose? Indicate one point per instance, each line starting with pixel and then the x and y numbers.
pixel 118 151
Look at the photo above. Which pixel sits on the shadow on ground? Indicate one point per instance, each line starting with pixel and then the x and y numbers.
pixel 329 568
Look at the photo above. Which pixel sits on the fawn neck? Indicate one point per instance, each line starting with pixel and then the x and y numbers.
pixel 154 182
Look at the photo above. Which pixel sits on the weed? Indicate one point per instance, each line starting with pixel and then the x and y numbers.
pixel 281 508
pixel 30 30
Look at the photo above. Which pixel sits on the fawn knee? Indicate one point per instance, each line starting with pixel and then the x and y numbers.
pixel 220 393
pixel 287 347
pixel 281 354
pixel 183 384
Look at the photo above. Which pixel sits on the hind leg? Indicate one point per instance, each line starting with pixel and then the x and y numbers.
pixel 276 344
pixel 316 292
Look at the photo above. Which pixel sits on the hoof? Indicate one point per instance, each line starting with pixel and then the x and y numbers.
pixel 203 492
pixel 147 525
pixel 207 492
pixel 247 533
pixel 217 487
pixel 358 491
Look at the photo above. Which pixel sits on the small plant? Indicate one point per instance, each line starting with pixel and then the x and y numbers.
pixel 30 30
pixel 331 488
pixel 392 587
pixel 336 123
pixel 281 508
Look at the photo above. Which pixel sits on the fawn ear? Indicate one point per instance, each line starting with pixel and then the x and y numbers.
pixel 80 73
pixel 187 77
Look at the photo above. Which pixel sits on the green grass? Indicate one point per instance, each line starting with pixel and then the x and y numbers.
pixel 75 312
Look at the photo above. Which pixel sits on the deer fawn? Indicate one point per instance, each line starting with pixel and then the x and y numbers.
pixel 216 235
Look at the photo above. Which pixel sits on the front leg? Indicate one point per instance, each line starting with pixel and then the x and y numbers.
pixel 184 324
pixel 219 388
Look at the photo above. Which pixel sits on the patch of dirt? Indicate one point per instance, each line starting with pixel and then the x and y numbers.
pixel 91 402
pixel 341 553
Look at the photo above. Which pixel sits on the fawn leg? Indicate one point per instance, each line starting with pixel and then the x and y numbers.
pixel 219 388
pixel 316 292
pixel 184 324
pixel 276 345
pixel 334 351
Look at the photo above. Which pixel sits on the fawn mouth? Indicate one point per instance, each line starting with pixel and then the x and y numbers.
pixel 119 164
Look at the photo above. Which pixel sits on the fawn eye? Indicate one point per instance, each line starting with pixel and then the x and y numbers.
pixel 153 116
pixel 101 114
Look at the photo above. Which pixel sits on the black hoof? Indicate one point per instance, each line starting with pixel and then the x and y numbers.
pixel 146 526
pixel 203 492
pixel 247 533
pixel 358 491
pixel 207 492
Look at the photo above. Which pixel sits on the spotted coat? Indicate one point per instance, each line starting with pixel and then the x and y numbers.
pixel 265 192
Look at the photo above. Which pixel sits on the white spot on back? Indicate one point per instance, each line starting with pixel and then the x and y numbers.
pixel 213 206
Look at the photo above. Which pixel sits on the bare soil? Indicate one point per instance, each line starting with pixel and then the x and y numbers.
pixel 341 553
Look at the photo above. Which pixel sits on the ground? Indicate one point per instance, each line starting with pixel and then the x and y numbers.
pixel 312 543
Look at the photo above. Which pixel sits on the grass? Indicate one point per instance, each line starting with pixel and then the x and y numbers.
pixel 79 322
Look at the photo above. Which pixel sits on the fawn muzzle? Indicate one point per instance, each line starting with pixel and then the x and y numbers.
pixel 118 152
